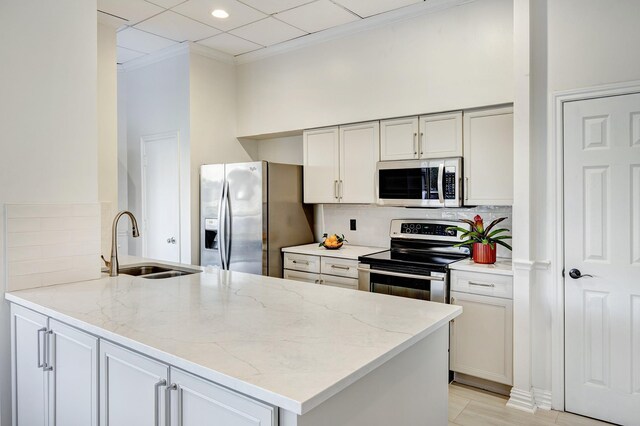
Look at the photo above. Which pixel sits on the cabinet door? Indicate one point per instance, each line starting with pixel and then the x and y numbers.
pixel 73 380
pixel 132 387
pixel 301 276
pixel 441 135
pixel 321 161
pixel 29 382
pixel 399 139
pixel 196 402
pixel 488 157
pixel 481 342
pixel 359 153
pixel 333 281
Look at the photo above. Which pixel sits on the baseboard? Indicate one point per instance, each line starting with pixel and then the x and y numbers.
pixel 479 383
pixel 522 400
pixel 542 398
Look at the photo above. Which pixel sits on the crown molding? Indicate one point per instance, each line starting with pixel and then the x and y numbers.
pixel 154 57
pixel 387 18
pixel 208 52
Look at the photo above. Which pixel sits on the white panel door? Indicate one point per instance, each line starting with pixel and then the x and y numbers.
pixel 132 388
pixel 29 382
pixel 481 343
pixel 161 197
pixel 488 157
pixel 73 380
pixel 321 160
pixel 441 135
pixel 359 153
pixel 602 240
pixel 197 402
pixel 399 139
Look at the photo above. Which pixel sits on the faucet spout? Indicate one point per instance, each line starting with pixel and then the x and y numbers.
pixel 113 265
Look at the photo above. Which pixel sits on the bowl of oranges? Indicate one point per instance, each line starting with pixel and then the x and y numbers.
pixel 332 242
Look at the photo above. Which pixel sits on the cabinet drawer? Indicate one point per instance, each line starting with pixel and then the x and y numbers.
pixel 339 267
pixel 301 262
pixel 301 276
pixel 351 283
pixel 483 284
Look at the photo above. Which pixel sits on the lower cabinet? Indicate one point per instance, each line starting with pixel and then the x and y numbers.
pixel 332 271
pixel 54 370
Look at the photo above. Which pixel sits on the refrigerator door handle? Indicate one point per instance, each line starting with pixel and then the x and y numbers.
pixel 227 226
pixel 221 225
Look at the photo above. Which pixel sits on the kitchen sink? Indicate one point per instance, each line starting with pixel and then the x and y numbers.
pixel 155 272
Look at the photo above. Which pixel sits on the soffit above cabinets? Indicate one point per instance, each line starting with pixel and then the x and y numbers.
pixel 152 25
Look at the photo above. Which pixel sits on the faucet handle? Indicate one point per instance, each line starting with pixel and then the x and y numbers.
pixel 106 262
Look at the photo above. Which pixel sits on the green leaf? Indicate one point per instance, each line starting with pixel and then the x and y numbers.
pixel 464 243
pixel 494 223
pixel 504 244
pixel 502 237
pixel 496 232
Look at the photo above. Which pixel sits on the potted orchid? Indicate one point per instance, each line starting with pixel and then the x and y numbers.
pixel 483 240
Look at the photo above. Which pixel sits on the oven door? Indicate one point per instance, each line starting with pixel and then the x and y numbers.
pixel 425 285
pixel 418 183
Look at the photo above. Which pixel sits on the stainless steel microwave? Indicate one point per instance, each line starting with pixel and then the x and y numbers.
pixel 420 183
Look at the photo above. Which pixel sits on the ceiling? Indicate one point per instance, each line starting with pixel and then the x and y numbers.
pixel 151 25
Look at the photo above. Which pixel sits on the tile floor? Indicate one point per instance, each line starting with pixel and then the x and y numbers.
pixel 473 407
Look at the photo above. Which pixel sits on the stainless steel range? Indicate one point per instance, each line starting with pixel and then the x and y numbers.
pixel 417 265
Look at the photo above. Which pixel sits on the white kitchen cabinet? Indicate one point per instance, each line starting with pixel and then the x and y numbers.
pixel 55 374
pixel 340 163
pixel 488 156
pixel 441 135
pixel 337 281
pixel 29 380
pixel 481 341
pixel 132 388
pixel 336 272
pixel 305 277
pixel 196 402
pixel 399 139
pixel 321 159
pixel 427 136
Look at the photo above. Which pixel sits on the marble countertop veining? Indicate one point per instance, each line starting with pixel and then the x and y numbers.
pixel 290 344
pixel 347 251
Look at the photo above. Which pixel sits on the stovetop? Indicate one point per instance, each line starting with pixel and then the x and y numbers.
pixel 412 258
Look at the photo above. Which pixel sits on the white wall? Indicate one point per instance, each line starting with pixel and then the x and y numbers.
pixel 47 117
pixel 457 58
pixel 212 108
pixel 286 149
pixel 156 100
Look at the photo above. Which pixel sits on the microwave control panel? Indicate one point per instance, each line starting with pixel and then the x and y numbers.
pixel 426 229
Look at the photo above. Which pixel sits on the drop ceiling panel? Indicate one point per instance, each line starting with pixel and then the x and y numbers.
pixel 317 16
pixel 230 44
pixel 275 6
pixel 177 27
pixel 141 41
pixel 168 4
pixel 200 10
pixel 124 54
pixel 367 8
pixel 133 11
pixel 268 32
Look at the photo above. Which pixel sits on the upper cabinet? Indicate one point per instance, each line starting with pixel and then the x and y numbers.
pixel 488 156
pixel 427 136
pixel 340 163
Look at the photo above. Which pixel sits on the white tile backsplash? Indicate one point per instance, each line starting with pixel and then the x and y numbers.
pixel 50 244
pixel 373 222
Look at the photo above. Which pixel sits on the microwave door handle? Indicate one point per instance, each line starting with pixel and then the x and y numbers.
pixel 440 179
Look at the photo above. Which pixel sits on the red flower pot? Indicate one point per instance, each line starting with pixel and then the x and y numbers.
pixel 484 253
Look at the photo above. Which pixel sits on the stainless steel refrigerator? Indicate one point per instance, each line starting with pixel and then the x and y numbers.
pixel 248 212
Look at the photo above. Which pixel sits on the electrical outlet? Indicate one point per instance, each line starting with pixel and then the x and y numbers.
pixel 352 224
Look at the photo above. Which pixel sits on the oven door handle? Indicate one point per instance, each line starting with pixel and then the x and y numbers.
pixel 401 275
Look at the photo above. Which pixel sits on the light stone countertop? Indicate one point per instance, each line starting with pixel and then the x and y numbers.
pixel 288 343
pixel 503 266
pixel 347 251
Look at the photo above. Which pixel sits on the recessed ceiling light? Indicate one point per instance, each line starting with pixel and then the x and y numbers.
pixel 219 13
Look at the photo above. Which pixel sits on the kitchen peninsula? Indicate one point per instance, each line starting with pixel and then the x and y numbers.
pixel 240 348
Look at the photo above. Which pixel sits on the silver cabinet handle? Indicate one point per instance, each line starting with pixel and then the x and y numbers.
pixel 440 185
pixel 47 365
pixel 40 362
pixel 421 144
pixel 340 190
pixel 402 275
pixel 316 282
pixel 466 188
pixel 335 189
pixel 156 390
pixel 321 282
pixel 344 268
pixel 481 284
pixel 415 145
pixel 170 388
pixel 302 262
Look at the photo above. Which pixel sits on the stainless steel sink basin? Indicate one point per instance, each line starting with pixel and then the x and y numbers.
pixel 155 272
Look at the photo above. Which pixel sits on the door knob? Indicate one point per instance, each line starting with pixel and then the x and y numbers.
pixel 171 240
pixel 576 274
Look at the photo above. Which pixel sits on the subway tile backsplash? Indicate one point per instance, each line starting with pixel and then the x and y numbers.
pixel 50 244
pixel 373 221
